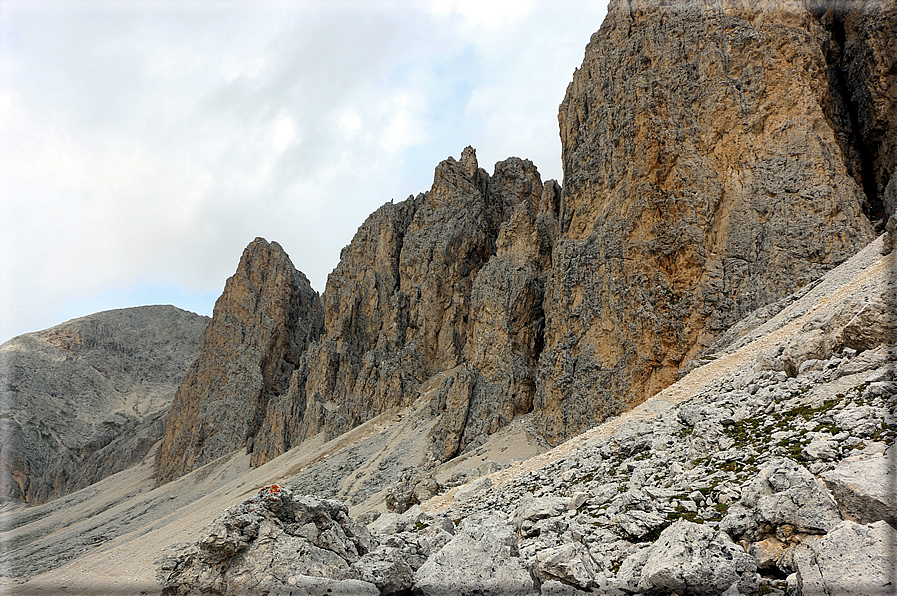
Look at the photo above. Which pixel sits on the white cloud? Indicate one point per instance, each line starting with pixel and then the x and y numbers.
pixel 488 14
pixel 404 122
pixel 144 145
pixel 284 133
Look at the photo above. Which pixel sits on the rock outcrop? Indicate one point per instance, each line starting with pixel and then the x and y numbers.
pixel 273 543
pixel 713 163
pixel 87 398
pixel 450 280
pixel 262 323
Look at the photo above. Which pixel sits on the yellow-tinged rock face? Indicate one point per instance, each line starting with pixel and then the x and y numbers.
pixel 711 166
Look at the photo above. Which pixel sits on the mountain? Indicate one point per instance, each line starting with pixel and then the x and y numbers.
pixel 88 398
pixel 701 312
pixel 261 324
pixel 716 158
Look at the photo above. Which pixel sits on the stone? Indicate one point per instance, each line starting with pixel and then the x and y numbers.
pixel 386 568
pixel 693 558
pixel 814 345
pixel 767 553
pixel 266 541
pixel 539 508
pixel 413 487
pixel 480 559
pixel 785 493
pixel 304 585
pixel 852 559
pixel 864 489
pixel 472 489
pixel 630 573
pixel 638 524
pixel 388 523
pixel 873 322
pixel 570 563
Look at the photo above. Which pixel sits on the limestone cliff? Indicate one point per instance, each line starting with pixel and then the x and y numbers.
pixel 708 170
pixel 447 280
pixel 262 323
pixel 86 399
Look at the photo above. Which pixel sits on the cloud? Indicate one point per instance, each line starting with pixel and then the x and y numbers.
pixel 143 145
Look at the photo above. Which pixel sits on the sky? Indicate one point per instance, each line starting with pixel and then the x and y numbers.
pixel 144 144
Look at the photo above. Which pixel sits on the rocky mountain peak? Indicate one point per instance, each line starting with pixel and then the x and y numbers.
pixel 706 175
pixel 404 303
pixel 261 325
pixel 469 161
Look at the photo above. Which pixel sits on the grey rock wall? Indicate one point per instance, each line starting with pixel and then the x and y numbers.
pixel 88 398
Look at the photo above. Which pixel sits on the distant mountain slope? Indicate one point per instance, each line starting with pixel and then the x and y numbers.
pixel 87 398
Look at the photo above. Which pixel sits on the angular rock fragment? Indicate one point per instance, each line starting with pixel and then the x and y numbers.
pixel 782 493
pixel 865 489
pixel 691 558
pixel 480 560
pixel 570 563
pixel 273 542
pixel 851 560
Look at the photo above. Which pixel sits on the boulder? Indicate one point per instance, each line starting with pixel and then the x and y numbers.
pixel 481 559
pixel 539 508
pixel 386 568
pixel 474 488
pixel 695 559
pixel 864 489
pixel 273 540
pixel 570 563
pixel 782 493
pixel 852 559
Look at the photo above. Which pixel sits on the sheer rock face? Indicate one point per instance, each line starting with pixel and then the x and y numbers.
pixel 87 398
pixel 862 57
pixel 705 176
pixel 262 323
pixel 446 281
